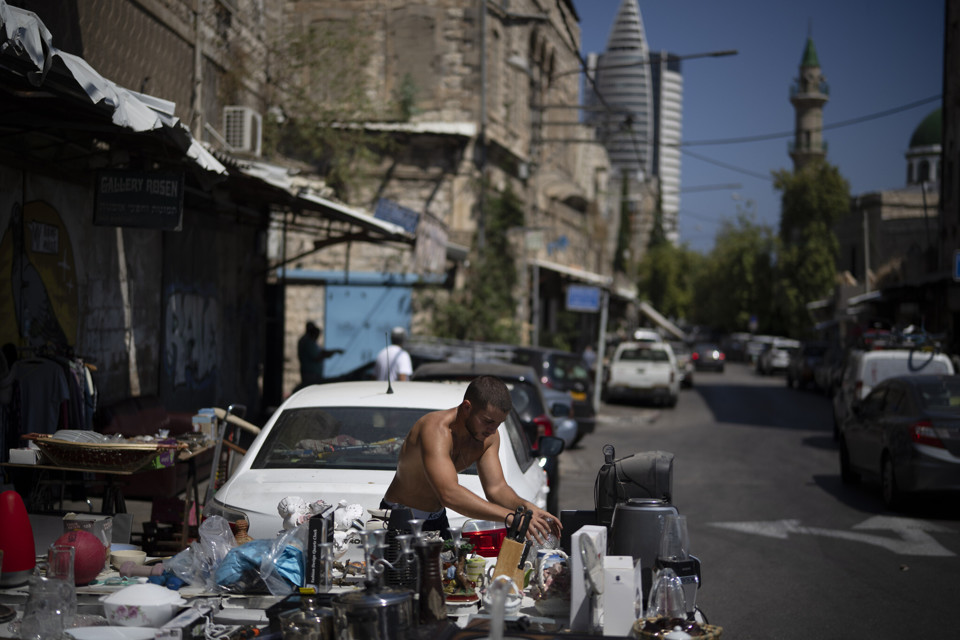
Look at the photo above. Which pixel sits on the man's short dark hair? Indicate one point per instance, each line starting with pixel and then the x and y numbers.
pixel 489 390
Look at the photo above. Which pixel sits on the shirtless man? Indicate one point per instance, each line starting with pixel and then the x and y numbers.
pixel 444 443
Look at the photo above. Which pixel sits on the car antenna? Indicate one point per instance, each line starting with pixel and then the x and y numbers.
pixel 386 338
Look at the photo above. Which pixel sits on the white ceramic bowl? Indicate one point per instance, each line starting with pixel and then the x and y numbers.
pixel 142 605
pixel 119 556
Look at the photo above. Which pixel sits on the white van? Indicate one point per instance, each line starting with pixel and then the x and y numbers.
pixel 867 369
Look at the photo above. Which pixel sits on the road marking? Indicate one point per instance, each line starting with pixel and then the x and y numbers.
pixel 914 537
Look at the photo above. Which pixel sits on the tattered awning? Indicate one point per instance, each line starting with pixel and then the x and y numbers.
pixel 583 275
pixel 56 98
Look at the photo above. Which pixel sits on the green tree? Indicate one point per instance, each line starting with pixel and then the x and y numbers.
pixel 812 201
pixel 485 309
pixel 667 277
pixel 737 276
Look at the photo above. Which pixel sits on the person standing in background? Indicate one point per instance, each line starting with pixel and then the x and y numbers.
pixel 312 355
pixel 393 361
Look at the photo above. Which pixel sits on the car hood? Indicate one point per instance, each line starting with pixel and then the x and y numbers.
pixel 261 490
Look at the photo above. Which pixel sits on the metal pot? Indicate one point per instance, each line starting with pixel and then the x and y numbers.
pixel 385 614
pixel 635 531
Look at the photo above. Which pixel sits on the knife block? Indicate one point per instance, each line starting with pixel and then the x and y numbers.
pixel 508 560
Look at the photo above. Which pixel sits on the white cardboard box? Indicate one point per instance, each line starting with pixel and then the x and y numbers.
pixel 619 595
pixel 25 456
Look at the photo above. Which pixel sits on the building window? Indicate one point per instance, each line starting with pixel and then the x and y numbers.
pixel 923 175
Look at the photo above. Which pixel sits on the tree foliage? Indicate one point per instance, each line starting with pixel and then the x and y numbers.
pixel 737 276
pixel 813 199
pixel 667 277
pixel 485 309
pixel 319 93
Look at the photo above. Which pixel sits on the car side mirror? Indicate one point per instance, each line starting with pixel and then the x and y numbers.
pixel 548 447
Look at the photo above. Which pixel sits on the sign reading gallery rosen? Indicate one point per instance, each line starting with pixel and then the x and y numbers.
pixel 148 199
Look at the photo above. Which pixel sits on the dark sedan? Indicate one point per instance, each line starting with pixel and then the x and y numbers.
pixel 907 433
pixel 707 356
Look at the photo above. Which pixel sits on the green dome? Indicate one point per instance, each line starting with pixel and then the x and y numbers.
pixel 929 132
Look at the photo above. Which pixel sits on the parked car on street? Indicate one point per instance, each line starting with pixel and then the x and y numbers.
pixel 564 371
pixel 775 357
pixel 803 364
pixel 707 356
pixel 340 441
pixel 542 411
pixel 866 369
pixel 828 372
pixel 643 370
pixel 755 346
pixel 685 368
pixel 906 432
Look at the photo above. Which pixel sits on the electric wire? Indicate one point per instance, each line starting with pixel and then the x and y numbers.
pixel 790 134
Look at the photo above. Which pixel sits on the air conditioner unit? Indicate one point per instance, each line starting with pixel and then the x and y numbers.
pixel 243 129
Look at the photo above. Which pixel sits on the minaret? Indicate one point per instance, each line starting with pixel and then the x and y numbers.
pixel 808 95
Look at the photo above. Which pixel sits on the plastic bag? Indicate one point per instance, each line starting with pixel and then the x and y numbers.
pixel 282 567
pixel 198 563
pixel 265 565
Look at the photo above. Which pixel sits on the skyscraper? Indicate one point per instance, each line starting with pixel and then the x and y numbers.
pixel 637 107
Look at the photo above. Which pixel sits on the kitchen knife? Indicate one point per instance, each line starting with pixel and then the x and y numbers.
pixel 510 550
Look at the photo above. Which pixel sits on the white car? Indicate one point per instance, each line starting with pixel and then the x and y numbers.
pixel 340 441
pixel 646 370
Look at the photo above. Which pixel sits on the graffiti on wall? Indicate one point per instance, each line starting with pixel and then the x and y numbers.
pixel 191 327
pixel 39 305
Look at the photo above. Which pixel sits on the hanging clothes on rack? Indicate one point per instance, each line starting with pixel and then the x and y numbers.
pixel 44 395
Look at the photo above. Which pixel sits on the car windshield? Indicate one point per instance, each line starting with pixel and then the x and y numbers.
pixel 941 394
pixel 564 371
pixel 643 354
pixel 337 438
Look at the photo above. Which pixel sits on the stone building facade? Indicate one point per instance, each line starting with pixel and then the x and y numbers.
pixel 495 91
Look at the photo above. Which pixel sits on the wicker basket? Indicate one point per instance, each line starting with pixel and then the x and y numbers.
pixel 710 632
pixel 123 457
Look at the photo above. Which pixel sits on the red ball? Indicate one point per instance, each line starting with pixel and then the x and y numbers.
pixel 89 554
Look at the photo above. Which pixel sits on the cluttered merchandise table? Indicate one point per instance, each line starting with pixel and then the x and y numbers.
pixel 373 583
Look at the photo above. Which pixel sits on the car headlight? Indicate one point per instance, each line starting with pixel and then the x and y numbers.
pixel 231 515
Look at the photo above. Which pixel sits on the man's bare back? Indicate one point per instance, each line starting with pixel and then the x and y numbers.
pixel 443 443
pixel 409 483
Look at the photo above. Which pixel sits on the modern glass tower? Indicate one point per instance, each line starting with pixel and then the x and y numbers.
pixel 639 110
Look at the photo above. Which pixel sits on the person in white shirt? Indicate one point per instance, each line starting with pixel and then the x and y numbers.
pixel 394 359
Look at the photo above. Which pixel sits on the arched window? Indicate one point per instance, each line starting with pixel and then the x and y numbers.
pixel 923 174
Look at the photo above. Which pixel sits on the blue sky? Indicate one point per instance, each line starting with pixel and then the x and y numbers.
pixel 876 55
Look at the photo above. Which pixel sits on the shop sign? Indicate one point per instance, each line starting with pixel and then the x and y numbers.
pixel 583 298
pixel 146 199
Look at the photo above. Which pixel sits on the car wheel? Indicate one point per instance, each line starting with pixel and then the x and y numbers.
pixel 892 496
pixel 847 474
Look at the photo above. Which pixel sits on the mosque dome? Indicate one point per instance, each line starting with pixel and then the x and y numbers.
pixel 929 132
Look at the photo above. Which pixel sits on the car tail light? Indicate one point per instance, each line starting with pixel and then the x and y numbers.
pixel 486 543
pixel 545 381
pixel 922 432
pixel 544 425
pixel 721 355
pixel 694 356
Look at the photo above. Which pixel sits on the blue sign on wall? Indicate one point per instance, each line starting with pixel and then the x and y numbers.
pixel 583 298
pixel 956 265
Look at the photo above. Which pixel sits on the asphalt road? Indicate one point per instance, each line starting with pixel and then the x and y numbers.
pixel 787 551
